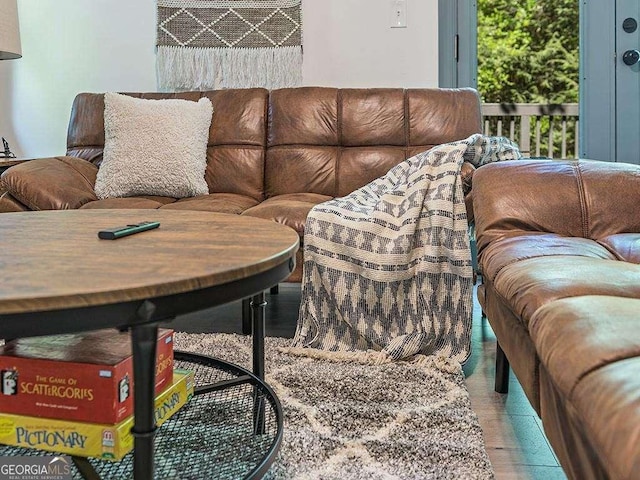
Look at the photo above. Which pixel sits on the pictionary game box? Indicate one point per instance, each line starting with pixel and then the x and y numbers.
pixel 108 442
pixel 86 377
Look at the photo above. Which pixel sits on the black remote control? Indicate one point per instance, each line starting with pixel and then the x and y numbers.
pixel 119 232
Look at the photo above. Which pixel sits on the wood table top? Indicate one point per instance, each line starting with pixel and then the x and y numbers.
pixel 6 162
pixel 54 260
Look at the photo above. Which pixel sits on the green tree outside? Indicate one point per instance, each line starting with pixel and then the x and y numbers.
pixel 528 52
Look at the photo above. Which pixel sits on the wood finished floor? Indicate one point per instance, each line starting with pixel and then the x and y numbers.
pixel 513 433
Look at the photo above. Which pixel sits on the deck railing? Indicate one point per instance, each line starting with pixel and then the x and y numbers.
pixel 539 129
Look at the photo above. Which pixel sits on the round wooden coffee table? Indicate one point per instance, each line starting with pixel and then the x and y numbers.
pixel 58 277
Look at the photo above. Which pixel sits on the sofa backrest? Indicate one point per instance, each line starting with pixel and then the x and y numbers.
pixel 332 141
pixel 307 139
pixel 237 138
pixel 581 198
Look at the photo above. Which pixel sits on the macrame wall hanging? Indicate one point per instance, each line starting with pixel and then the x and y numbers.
pixel 208 44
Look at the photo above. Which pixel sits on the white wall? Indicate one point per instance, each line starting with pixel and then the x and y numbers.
pixel 349 43
pixel 72 46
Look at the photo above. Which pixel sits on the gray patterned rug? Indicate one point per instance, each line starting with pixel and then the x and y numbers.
pixel 349 420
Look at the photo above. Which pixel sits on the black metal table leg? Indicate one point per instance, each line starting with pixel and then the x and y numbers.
pixel 502 371
pixel 258 305
pixel 143 344
pixel 246 316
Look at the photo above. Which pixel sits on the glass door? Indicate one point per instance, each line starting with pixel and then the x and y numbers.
pixel 609 71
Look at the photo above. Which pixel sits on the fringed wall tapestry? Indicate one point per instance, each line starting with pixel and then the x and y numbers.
pixel 207 44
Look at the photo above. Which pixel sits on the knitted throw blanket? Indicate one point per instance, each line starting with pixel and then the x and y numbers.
pixel 388 267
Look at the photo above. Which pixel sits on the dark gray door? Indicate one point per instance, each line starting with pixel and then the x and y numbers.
pixel 458 44
pixel 628 81
pixel 610 80
pixel 609 73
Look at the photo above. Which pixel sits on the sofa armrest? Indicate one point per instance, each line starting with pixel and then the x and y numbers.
pixel 467 170
pixel 466 175
pixel 55 183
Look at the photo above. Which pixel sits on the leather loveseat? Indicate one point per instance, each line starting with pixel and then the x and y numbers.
pixel 559 252
pixel 271 154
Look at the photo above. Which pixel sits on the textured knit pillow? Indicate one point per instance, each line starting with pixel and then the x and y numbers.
pixel 154 147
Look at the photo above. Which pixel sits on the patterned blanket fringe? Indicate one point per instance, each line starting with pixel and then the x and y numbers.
pixel 372 357
pixel 185 68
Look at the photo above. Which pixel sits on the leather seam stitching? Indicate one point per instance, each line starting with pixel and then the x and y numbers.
pixel 266 147
pixel 336 181
pixel 407 130
pixel 583 202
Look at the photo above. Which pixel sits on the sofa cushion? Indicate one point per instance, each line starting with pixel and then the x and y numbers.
pixel 55 183
pixel 517 246
pixel 290 209
pixel 576 336
pixel 295 169
pixel 10 204
pixel 609 404
pixel 591 348
pixel 148 201
pixel 154 147
pixel 374 116
pixel 237 140
pixel 214 202
pixel 507 200
pixel 359 166
pixel 303 116
pixel 236 169
pixel 333 141
pixel 625 246
pixel 579 202
pixel 434 116
pixel 529 284
pixel 606 213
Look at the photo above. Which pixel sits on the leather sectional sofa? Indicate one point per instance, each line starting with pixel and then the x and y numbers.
pixel 271 154
pixel 559 252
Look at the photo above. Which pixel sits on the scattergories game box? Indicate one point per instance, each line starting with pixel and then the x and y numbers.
pixel 108 442
pixel 86 377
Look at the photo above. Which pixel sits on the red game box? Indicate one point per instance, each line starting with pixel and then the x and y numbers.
pixel 86 377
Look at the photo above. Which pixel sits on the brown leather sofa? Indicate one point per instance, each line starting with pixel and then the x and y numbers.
pixel 271 154
pixel 559 252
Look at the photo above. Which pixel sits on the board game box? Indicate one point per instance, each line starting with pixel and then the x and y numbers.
pixel 108 442
pixel 86 377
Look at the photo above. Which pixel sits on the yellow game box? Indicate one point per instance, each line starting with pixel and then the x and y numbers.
pixel 108 442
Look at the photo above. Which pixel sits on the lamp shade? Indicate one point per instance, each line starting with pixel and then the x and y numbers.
pixel 9 30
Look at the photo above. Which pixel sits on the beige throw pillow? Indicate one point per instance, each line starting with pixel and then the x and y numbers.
pixel 154 147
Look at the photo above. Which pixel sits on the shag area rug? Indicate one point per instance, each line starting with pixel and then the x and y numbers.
pixel 351 420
